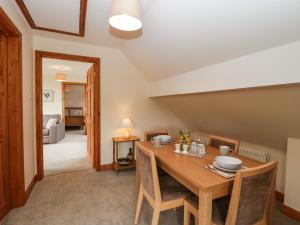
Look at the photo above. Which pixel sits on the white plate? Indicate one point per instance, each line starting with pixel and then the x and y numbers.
pixel 223 169
pixel 228 162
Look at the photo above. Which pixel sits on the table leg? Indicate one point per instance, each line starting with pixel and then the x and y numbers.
pixel 205 208
pixel 117 158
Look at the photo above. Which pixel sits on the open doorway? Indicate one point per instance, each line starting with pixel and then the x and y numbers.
pixel 68 113
pixel 65 146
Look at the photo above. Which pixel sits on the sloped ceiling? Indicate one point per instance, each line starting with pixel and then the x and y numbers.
pixel 264 116
pixel 184 35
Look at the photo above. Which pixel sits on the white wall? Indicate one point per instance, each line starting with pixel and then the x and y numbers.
pixel 49 83
pixel 123 93
pixel 27 69
pixel 292 184
pixel 279 65
pixel 55 107
pixel 76 97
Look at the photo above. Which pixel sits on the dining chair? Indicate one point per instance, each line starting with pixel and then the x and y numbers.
pixel 252 192
pixel 217 141
pixel 162 194
pixel 148 135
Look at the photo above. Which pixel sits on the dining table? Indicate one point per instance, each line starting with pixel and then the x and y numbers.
pixel 192 173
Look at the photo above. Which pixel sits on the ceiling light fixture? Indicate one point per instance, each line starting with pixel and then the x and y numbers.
pixel 126 15
pixel 60 68
pixel 60 77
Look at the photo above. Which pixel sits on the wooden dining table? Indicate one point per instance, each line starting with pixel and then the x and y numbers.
pixel 191 172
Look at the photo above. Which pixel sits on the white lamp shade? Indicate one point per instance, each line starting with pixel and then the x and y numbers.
pixel 126 15
pixel 127 123
pixel 60 77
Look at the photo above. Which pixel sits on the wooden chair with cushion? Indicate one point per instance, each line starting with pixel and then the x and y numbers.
pixel 217 141
pixel 162 194
pixel 252 192
pixel 150 134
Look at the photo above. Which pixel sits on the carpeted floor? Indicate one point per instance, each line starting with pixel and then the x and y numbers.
pixel 92 198
pixel 70 154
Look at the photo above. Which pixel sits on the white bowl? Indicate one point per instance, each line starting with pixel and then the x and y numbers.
pixel 164 138
pixel 228 162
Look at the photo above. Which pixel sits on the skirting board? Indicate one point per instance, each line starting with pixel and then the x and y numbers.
pixel 288 211
pixel 30 187
pixel 292 213
pixel 279 196
pixel 105 167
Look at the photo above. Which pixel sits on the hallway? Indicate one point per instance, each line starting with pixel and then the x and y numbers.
pixel 92 198
pixel 68 155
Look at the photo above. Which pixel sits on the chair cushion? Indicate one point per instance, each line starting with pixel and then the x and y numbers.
pixel 45 132
pixel 220 208
pixel 171 189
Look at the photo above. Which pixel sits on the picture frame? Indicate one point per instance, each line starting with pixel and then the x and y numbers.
pixel 48 96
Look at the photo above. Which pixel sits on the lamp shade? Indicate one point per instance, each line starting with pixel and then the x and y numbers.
pixel 127 123
pixel 126 15
pixel 60 77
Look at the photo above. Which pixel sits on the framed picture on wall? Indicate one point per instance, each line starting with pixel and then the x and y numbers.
pixel 48 96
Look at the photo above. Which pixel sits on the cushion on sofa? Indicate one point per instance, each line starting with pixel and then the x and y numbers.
pixel 51 122
pixel 46 117
pixel 45 132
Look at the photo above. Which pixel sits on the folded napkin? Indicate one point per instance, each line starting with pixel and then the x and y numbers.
pixel 224 174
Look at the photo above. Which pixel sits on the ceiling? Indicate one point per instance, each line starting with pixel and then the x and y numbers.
pixel 70 68
pixel 182 35
pixel 265 116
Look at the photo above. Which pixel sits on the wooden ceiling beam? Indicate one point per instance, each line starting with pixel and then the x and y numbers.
pixel 82 19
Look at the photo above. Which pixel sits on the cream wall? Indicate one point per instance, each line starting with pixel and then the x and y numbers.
pixel 76 97
pixel 292 184
pixel 55 107
pixel 49 83
pixel 123 93
pixel 27 68
pixel 279 65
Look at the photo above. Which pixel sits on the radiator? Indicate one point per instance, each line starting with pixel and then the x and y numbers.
pixel 259 156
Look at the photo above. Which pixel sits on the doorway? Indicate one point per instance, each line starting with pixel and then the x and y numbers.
pixel 12 185
pixel 75 119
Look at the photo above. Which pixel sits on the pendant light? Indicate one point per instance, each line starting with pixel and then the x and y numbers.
pixel 60 77
pixel 126 15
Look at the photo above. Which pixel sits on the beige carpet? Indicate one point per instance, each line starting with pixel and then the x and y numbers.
pixel 69 154
pixel 92 198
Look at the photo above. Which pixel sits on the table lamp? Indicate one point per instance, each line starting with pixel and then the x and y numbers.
pixel 127 124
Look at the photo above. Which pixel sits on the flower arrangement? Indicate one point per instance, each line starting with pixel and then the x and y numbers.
pixel 184 138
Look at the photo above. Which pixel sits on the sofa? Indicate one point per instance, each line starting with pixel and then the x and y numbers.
pixel 56 132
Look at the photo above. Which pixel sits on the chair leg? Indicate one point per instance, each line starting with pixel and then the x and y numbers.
pixel 186 216
pixel 138 207
pixel 155 217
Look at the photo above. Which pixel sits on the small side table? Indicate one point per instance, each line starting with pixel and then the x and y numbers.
pixel 116 141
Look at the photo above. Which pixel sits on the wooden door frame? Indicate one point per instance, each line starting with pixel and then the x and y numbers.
pixel 15 111
pixel 39 55
pixel 63 84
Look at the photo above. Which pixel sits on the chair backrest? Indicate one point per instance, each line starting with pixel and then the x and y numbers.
pixel 217 141
pixel 252 192
pixel 150 134
pixel 148 173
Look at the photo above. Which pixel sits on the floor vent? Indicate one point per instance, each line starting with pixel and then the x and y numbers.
pixel 259 156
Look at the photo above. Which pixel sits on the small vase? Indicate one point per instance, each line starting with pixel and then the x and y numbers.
pixel 185 148
pixel 130 154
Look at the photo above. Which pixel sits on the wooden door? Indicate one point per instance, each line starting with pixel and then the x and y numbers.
pixel 4 159
pixel 89 118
